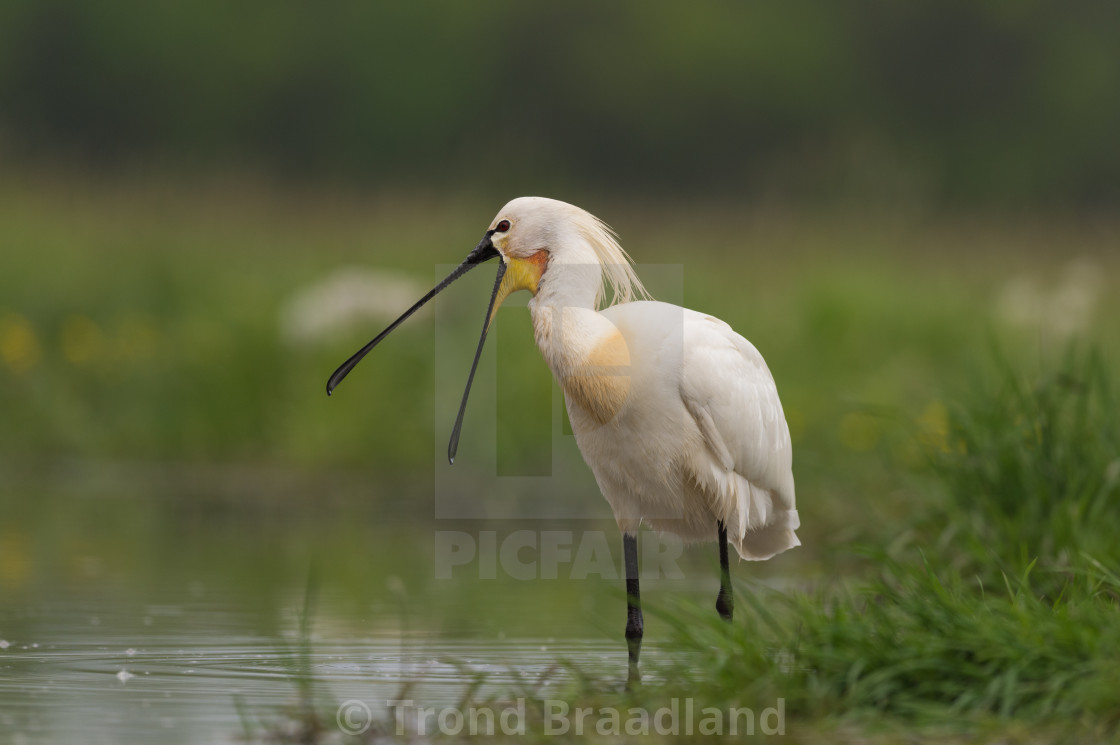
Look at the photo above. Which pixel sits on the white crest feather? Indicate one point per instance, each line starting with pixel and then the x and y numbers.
pixel 619 277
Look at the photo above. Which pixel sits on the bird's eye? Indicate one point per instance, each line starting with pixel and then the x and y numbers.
pixel 502 227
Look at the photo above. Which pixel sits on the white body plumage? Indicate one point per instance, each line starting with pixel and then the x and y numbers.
pixel 676 414
pixel 699 438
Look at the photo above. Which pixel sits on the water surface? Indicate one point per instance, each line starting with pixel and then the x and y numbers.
pixel 133 616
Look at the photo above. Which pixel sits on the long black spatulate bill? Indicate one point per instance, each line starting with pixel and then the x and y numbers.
pixel 453 444
pixel 484 251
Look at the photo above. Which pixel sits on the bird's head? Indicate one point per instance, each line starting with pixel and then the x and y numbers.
pixel 534 235
pixel 525 233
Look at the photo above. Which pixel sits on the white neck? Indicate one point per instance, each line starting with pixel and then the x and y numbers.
pixel 565 322
pixel 573 279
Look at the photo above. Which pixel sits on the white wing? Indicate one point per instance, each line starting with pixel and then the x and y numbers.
pixel 747 466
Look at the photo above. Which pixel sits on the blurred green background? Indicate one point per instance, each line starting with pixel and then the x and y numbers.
pixel 206 206
pixel 994 103
pixel 863 190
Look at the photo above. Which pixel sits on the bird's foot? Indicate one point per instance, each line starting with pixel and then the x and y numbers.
pixel 725 606
pixel 633 678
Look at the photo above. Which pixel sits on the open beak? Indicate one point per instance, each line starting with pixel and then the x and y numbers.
pixel 484 251
pixel 513 274
pixel 496 298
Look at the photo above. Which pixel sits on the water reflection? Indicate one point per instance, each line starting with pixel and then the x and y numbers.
pixel 211 673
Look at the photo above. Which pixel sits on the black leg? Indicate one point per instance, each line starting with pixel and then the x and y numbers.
pixel 633 607
pixel 724 603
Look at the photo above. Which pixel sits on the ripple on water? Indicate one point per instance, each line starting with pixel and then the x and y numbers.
pixel 106 686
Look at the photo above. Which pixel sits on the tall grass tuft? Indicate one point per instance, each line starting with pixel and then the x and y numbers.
pixel 916 646
pixel 1031 471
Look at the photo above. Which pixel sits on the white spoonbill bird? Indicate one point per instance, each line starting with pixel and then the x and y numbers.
pixel 677 415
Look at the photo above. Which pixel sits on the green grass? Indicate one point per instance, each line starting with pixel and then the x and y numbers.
pixel 1031 471
pixel 918 643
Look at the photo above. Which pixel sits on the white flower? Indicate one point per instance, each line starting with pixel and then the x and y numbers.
pixel 1059 312
pixel 348 298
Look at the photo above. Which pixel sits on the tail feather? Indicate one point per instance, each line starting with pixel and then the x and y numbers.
pixel 763 530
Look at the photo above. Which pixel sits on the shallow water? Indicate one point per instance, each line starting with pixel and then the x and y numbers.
pixel 204 673
pixel 130 618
